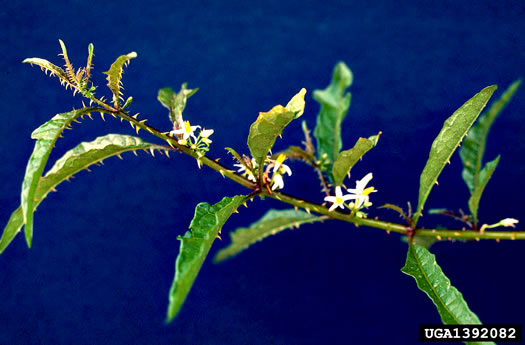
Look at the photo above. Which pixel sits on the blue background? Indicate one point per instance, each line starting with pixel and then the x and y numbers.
pixel 105 244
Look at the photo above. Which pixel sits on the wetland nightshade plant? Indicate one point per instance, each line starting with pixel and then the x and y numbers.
pixel 264 173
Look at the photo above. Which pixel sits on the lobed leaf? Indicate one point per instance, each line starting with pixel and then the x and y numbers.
pixel 484 177
pixel 273 222
pixel 195 245
pixel 334 107
pixel 268 126
pixel 448 139
pixel 79 158
pixel 347 159
pixel 473 148
pixel 175 102
pixel 114 76
pixel 452 308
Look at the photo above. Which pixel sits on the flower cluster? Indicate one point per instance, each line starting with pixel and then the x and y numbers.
pixel 275 167
pixel 361 195
pixel 247 169
pixel 278 169
pixel 201 143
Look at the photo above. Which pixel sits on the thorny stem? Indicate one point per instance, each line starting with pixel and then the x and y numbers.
pixel 325 188
pixel 310 206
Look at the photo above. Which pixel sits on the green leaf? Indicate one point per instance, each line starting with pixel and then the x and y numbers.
pixel 422 241
pixel 295 152
pixel 47 66
pixel 268 126
pixel 296 104
pixel 195 245
pixel 273 222
pixel 452 308
pixel 89 63
pixel 86 154
pixel 484 178
pixel 46 136
pixel 448 139
pixel 115 77
pixel 334 107
pixel 69 67
pixel 79 158
pixel 175 102
pixel 235 154
pixel 265 130
pixel 347 159
pixel 13 227
pixel 473 148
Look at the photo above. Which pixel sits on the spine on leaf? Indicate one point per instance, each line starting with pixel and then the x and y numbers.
pixel 114 77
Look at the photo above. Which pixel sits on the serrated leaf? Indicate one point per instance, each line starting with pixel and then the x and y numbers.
pixel 48 66
pixel 347 159
pixel 114 77
pixel 265 130
pixel 454 130
pixel 473 148
pixel 86 154
pixel 79 158
pixel 46 136
pixel 308 145
pixel 397 209
pixel 235 154
pixel 273 222
pixel 89 63
pixel 452 308
pixel 175 102
pixel 334 107
pixel 484 177
pixel 195 245
pixel 69 67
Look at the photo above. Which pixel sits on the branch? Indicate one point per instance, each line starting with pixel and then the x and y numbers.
pixel 310 206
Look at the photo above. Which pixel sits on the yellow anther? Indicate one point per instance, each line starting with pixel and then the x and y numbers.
pixel 368 190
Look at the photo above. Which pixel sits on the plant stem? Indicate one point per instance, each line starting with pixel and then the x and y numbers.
pixel 310 206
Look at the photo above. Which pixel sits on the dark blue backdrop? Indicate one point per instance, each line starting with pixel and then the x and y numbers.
pixel 104 246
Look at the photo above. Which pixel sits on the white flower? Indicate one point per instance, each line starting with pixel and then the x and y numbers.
pixel 241 169
pixel 278 182
pixel 503 222
pixel 186 131
pixel 205 134
pixel 279 167
pixel 361 192
pixel 339 199
pixel 509 222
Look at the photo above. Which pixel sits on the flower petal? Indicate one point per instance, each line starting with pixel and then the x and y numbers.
pixel 330 199
pixel 333 207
